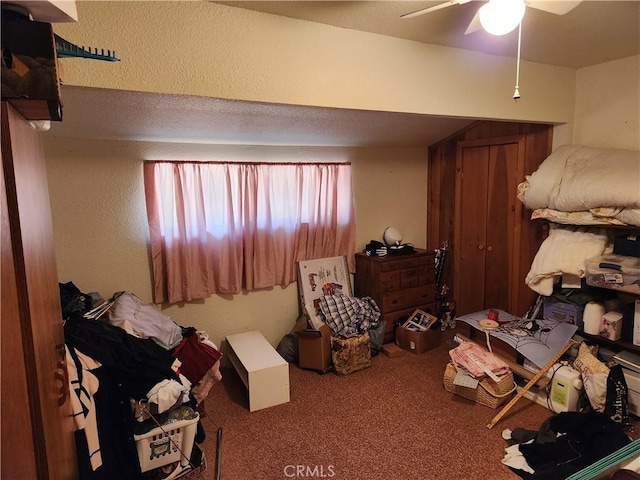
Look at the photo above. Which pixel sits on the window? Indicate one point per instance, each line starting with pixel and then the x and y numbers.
pixel 228 227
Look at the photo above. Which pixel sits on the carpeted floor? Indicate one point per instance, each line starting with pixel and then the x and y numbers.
pixel 391 421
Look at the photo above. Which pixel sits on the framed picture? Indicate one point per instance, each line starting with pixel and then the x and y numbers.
pixel 419 321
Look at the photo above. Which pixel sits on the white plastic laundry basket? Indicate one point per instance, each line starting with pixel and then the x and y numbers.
pixel 169 443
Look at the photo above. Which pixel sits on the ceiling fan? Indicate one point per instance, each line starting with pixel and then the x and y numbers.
pixel 499 17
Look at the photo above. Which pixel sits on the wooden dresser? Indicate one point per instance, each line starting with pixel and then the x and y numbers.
pixel 398 284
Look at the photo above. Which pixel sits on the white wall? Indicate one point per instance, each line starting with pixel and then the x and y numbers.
pixel 608 105
pixel 212 50
pixel 101 234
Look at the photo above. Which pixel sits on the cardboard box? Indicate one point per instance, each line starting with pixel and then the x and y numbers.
pixel 392 350
pixel 611 326
pixel 418 342
pixel 314 349
pixel 563 312
pixel 30 80
pixel 322 276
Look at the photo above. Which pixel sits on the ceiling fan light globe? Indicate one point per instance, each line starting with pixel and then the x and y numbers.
pixel 499 17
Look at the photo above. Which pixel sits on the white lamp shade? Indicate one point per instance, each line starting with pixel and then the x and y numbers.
pixel 499 17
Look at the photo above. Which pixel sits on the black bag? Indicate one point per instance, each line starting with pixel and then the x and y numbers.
pixel 73 300
pixel 376 335
pixel 617 403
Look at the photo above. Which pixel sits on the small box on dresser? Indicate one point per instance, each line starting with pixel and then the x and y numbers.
pixel 398 284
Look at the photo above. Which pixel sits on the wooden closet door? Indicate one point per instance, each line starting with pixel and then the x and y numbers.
pixel 500 251
pixel 472 171
pixel 36 423
pixel 486 229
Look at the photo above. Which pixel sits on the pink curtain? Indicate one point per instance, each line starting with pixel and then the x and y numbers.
pixel 229 227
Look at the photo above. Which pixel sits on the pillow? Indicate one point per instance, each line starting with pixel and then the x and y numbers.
pixel 594 377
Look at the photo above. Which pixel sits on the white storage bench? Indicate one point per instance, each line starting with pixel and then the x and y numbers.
pixel 264 372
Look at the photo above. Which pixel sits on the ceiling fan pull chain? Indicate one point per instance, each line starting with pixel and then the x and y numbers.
pixel 516 94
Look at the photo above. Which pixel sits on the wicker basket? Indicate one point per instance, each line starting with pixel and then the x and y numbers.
pixel 489 393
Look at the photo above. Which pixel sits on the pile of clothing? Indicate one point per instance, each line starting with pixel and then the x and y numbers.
pixel 126 369
pixel 563 445
pixel 348 317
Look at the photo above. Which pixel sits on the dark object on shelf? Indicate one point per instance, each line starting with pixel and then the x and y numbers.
pixel 627 245
pixel 375 249
pixel 29 68
pixel 402 249
pixel 68 49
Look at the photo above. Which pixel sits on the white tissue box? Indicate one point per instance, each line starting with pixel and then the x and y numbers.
pixel 611 326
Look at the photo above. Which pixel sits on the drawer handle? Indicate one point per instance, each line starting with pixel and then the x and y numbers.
pixel 394 301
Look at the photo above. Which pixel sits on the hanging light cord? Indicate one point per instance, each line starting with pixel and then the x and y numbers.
pixel 516 93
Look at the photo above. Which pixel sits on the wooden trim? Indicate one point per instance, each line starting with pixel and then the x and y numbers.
pixel 517 230
pixel 488 142
pixel 457 226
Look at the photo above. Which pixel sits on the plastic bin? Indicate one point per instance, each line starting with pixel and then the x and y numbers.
pixel 169 443
pixel 617 272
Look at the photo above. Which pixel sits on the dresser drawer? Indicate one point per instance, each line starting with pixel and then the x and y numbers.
pixel 409 297
pixel 406 262
pixel 406 278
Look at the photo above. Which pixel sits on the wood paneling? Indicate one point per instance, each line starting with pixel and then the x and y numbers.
pixel 518 248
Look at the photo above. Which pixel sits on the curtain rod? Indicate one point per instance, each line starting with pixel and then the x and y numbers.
pixel 246 163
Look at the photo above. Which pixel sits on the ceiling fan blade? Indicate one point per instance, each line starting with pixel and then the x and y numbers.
pixel 434 8
pixel 559 7
pixel 474 25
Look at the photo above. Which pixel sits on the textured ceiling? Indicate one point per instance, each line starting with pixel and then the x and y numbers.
pixel 593 32
pixel 178 118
